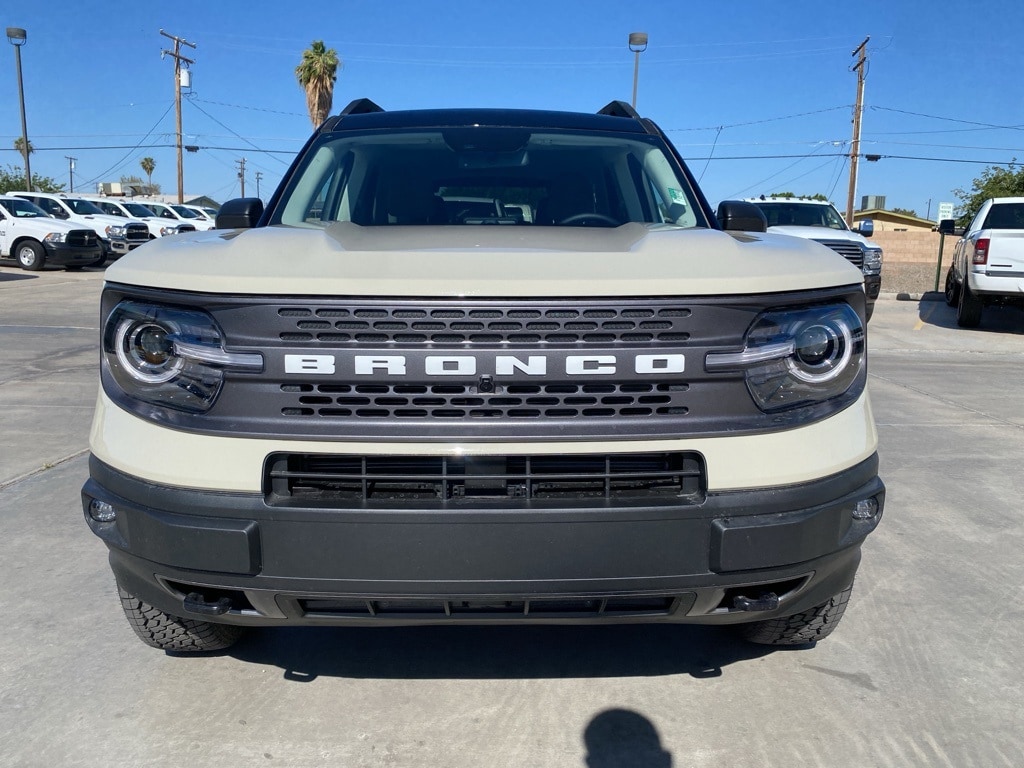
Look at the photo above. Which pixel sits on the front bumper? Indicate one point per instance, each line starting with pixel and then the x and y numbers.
pixel 63 254
pixel 493 562
pixel 119 247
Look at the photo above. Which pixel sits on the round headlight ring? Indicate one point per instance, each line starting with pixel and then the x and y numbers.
pixel 824 349
pixel 145 351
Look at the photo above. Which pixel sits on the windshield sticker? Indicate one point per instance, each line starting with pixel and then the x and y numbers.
pixel 676 195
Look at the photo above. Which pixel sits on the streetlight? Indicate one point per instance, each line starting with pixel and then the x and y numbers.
pixel 18 37
pixel 637 44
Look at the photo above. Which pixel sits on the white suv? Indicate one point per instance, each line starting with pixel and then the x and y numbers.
pixel 75 210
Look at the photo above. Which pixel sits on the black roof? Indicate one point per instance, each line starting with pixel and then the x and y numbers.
pixel 365 115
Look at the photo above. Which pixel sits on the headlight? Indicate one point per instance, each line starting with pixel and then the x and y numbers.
pixel 168 356
pixel 56 237
pixel 115 230
pixel 164 231
pixel 872 261
pixel 798 357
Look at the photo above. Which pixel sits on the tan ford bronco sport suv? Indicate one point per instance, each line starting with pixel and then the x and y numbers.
pixel 588 400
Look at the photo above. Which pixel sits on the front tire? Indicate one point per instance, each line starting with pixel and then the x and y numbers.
pixel 968 310
pixel 814 624
pixel 174 633
pixel 30 255
pixel 952 289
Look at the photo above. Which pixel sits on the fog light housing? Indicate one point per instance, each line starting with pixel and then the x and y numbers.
pixel 866 509
pixel 101 511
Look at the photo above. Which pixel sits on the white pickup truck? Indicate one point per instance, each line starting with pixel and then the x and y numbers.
pixel 30 236
pixel 988 264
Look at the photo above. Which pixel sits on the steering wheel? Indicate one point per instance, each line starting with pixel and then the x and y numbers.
pixel 576 218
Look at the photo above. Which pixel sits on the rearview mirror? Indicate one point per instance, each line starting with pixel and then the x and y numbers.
pixel 240 213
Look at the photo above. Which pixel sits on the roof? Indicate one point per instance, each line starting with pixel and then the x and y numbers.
pixel 868 213
pixel 804 200
pixel 525 118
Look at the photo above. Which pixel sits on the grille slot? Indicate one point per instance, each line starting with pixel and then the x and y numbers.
pixel 412 608
pixel 456 401
pixel 136 232
pixel 541 324
pixel 848 250
pixel 318 479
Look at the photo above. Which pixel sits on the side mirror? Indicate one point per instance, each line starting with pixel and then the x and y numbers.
pixel 741 216
pixel 947 226
pixel 240 213
pixel 865 228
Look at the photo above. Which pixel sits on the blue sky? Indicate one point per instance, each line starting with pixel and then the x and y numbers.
pixel 757 96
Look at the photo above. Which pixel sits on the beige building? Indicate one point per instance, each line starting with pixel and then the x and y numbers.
pixel 887 221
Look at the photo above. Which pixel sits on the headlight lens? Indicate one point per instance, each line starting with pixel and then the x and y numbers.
pixel 115 230
pixel 56 237
pixel 169 356
pixel 164 231
pixel 798 357
pixel 872 261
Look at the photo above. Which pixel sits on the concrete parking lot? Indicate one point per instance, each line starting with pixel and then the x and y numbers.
pixel 925 669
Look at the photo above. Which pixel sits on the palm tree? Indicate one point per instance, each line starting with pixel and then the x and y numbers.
pixel 19 144
pixel 316 74
pixel 148 166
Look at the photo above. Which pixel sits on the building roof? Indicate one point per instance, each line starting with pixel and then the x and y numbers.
pixel 877 213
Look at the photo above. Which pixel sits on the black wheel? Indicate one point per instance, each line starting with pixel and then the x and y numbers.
pixel 816 623
pixel 952 288
pixel 173 633
pixel 968 309
pixel 30 255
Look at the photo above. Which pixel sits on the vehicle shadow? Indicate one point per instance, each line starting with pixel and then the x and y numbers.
pixel 306 653
pixel 10 277
pixel 994 319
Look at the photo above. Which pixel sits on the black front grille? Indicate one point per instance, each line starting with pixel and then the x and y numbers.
pixel 135 232
pixel 512 401
pixel 603 323
pixel 849 250
pixel 82 238
pixel 476 608
pixel 317 479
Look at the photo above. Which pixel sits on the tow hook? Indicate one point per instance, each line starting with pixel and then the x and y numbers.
pixel 766 602
pixel 196 603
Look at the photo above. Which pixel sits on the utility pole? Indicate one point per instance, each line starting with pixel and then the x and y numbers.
pixel 241 174
pixel 178 60
pixel 258 177
pixel 859 67
pixel 71 171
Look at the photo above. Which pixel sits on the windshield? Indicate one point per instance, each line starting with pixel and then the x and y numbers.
pixel 185 212
pixel 23 209
pixel 801 215
pixel 484 175
pixel 137 209
pixel 83 207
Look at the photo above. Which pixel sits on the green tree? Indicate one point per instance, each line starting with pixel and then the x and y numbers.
pixel 815 196
pixel 904 211
pixel 317 74
pixel 19 144
pixel 148 166
pixel 12 179
pixel 994 181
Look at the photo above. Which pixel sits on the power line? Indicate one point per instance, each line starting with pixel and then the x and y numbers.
pixel 237 135
pixel 758 122
pixel 951 119
pixel 123 159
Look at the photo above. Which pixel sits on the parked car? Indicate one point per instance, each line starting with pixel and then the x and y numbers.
pixel 819 220
pixel 129 209
pixel 32 237
pixel 117 235
pixel 354 412
pixel 988 263
pixel 170 213
pixel 204 214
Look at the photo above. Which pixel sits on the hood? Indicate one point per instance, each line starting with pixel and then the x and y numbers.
pixel 482 261
pixel 822 233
